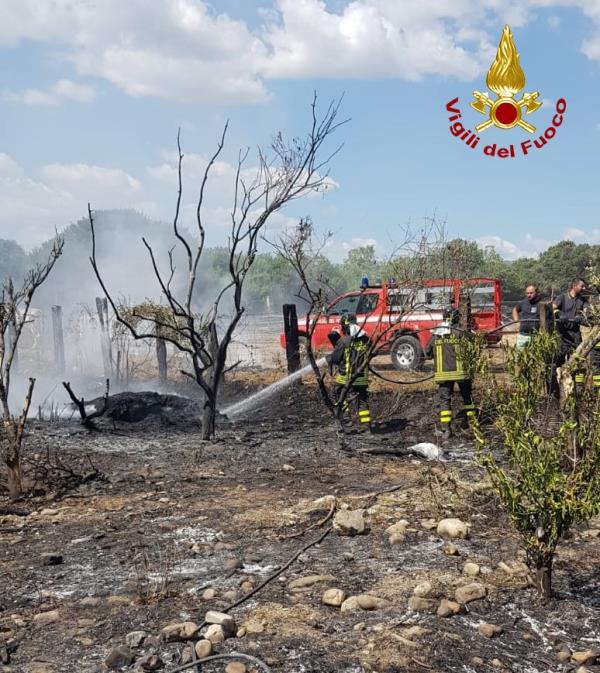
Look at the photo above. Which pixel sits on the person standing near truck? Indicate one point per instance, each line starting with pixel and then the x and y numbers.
pixel 569 315
pixel 526 313
pixel 448 371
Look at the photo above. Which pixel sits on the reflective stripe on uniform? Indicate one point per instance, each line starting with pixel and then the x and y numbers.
pixel 364 416
pixel 579 378
pixel 596 380
pixel 445 416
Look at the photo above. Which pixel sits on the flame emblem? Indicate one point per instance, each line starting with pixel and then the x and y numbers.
pixel 505 78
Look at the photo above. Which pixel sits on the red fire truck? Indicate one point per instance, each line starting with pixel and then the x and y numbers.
pixel 403 317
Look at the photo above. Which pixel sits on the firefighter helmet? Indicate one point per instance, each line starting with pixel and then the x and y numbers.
pixel 346 321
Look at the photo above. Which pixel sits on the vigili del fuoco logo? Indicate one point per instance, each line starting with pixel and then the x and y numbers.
pixel 505 79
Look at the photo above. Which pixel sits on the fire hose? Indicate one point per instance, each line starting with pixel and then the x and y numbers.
pixel 430 376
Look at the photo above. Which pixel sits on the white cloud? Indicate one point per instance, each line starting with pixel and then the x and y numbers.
pixel 61 91
pixel 591 236
pixel 184 50
pixel 504 248
pixel 32 207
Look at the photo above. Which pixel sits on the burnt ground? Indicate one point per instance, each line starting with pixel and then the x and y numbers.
pixel 150 516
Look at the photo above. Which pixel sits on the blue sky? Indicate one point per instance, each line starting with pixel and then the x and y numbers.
pixel 92 94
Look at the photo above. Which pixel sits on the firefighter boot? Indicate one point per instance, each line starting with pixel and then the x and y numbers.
pixel 445 431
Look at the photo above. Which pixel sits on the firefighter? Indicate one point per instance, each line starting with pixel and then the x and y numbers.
pixel 569 316
pixel 448 370
pixel 351 353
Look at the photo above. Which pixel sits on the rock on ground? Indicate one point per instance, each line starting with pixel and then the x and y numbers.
pixel 451 529
pixel 470 592
pixel 350 522
pixel 119 657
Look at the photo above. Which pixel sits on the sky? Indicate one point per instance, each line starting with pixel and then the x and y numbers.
pixel 93 92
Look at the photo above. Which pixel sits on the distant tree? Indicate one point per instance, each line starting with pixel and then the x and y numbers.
pixel 13 260
pixel 361 262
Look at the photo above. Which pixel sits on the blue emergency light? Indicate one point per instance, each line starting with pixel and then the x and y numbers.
pixel 364 283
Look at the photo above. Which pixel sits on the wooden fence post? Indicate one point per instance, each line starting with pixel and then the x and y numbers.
pixel 292 345
pixel 102 309
pixel 59 342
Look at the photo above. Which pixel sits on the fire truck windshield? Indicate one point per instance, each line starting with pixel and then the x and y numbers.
pixel 358 304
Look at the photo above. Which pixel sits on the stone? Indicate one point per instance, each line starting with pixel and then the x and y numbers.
pixel 209 594
pixel 419 604
pixel 471 569
pixel 222 619
pixel 398 528
pixel 470 592
pixel 49 512
pixel 231 596
pixel 90 602
pixel 303 582
pixel 496 663
pixel 150 662
pixel 584 657
pixel 241 632
pixel 333 597
pixel 423 589
pixel 175 633
pixel 203 648
pixel 286 467
pixel 564 655
pixel 350 522
pixel 505 568
pixel 119 657
pixel 359 627
pixel 36 667
pixel 477 661
pixel 448 608
pixel 215 633
pixel 369 602
pixel 85 622
pixel 233 564
pixel 246 587
pixel 235 667
pixel 350 604
pixel 186 656
pixel 428 524
pixel 452 529
pixel 348 556
pixel 49 617
pixel 450 549
pixel 490 630
pixel 51 559
pixel 135 639
pixel 396 539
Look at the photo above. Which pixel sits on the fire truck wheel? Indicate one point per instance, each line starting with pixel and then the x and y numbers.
pixel 406 353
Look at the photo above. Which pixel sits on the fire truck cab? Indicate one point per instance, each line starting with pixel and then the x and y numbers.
pixel 403 317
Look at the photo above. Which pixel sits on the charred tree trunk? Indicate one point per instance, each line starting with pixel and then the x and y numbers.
pixel 543 577
pixel 13 469
pixel 209 414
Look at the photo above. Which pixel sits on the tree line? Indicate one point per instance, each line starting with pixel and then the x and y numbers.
pixel 272 281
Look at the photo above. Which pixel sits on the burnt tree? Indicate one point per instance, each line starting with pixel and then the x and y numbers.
pixel 291 169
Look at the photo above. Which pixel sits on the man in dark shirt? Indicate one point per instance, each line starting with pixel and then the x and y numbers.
pixel 569 315
pixel 526 312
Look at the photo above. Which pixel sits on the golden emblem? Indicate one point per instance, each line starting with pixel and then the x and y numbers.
pixel 505 78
